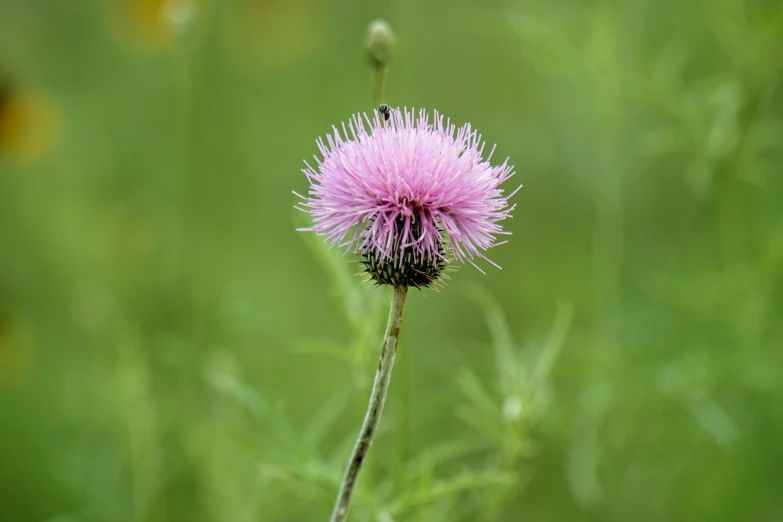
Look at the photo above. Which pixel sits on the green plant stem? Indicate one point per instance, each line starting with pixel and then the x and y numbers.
pixel 377 398
pixel 379 83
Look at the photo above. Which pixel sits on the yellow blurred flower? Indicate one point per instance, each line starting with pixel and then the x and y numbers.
pixel 156 24
pixel 29 123
pixel 268 34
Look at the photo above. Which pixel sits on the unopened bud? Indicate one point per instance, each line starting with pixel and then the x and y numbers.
pixel 380 43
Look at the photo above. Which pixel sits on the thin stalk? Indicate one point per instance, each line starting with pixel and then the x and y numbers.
pixel 377 398
pixel 379 83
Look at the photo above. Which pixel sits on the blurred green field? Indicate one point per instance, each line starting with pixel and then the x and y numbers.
pixel 172 350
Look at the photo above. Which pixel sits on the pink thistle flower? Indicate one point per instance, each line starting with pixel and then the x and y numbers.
pixel 405 193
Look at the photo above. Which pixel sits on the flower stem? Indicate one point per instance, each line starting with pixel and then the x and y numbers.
pixel 377 398
pixel 379 83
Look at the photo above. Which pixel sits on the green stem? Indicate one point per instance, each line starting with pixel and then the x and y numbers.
pixel 377 398
pixel 379 80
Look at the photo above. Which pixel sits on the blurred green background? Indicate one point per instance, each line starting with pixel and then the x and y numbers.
pixel 172 350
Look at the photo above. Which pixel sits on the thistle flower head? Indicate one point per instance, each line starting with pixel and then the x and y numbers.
pixel 406 194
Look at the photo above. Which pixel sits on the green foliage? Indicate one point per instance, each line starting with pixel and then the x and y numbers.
pixel 172 350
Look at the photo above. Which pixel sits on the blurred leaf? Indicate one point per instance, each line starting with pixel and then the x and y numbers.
pixel 484 414
pixel 507 364
pixel 462 482
pixel 552 347
pixel 326 347
pixel 325 419
pixel 584 456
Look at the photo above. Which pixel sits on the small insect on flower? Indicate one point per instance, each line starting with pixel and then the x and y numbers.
pixel 385 111
pixel 407 195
